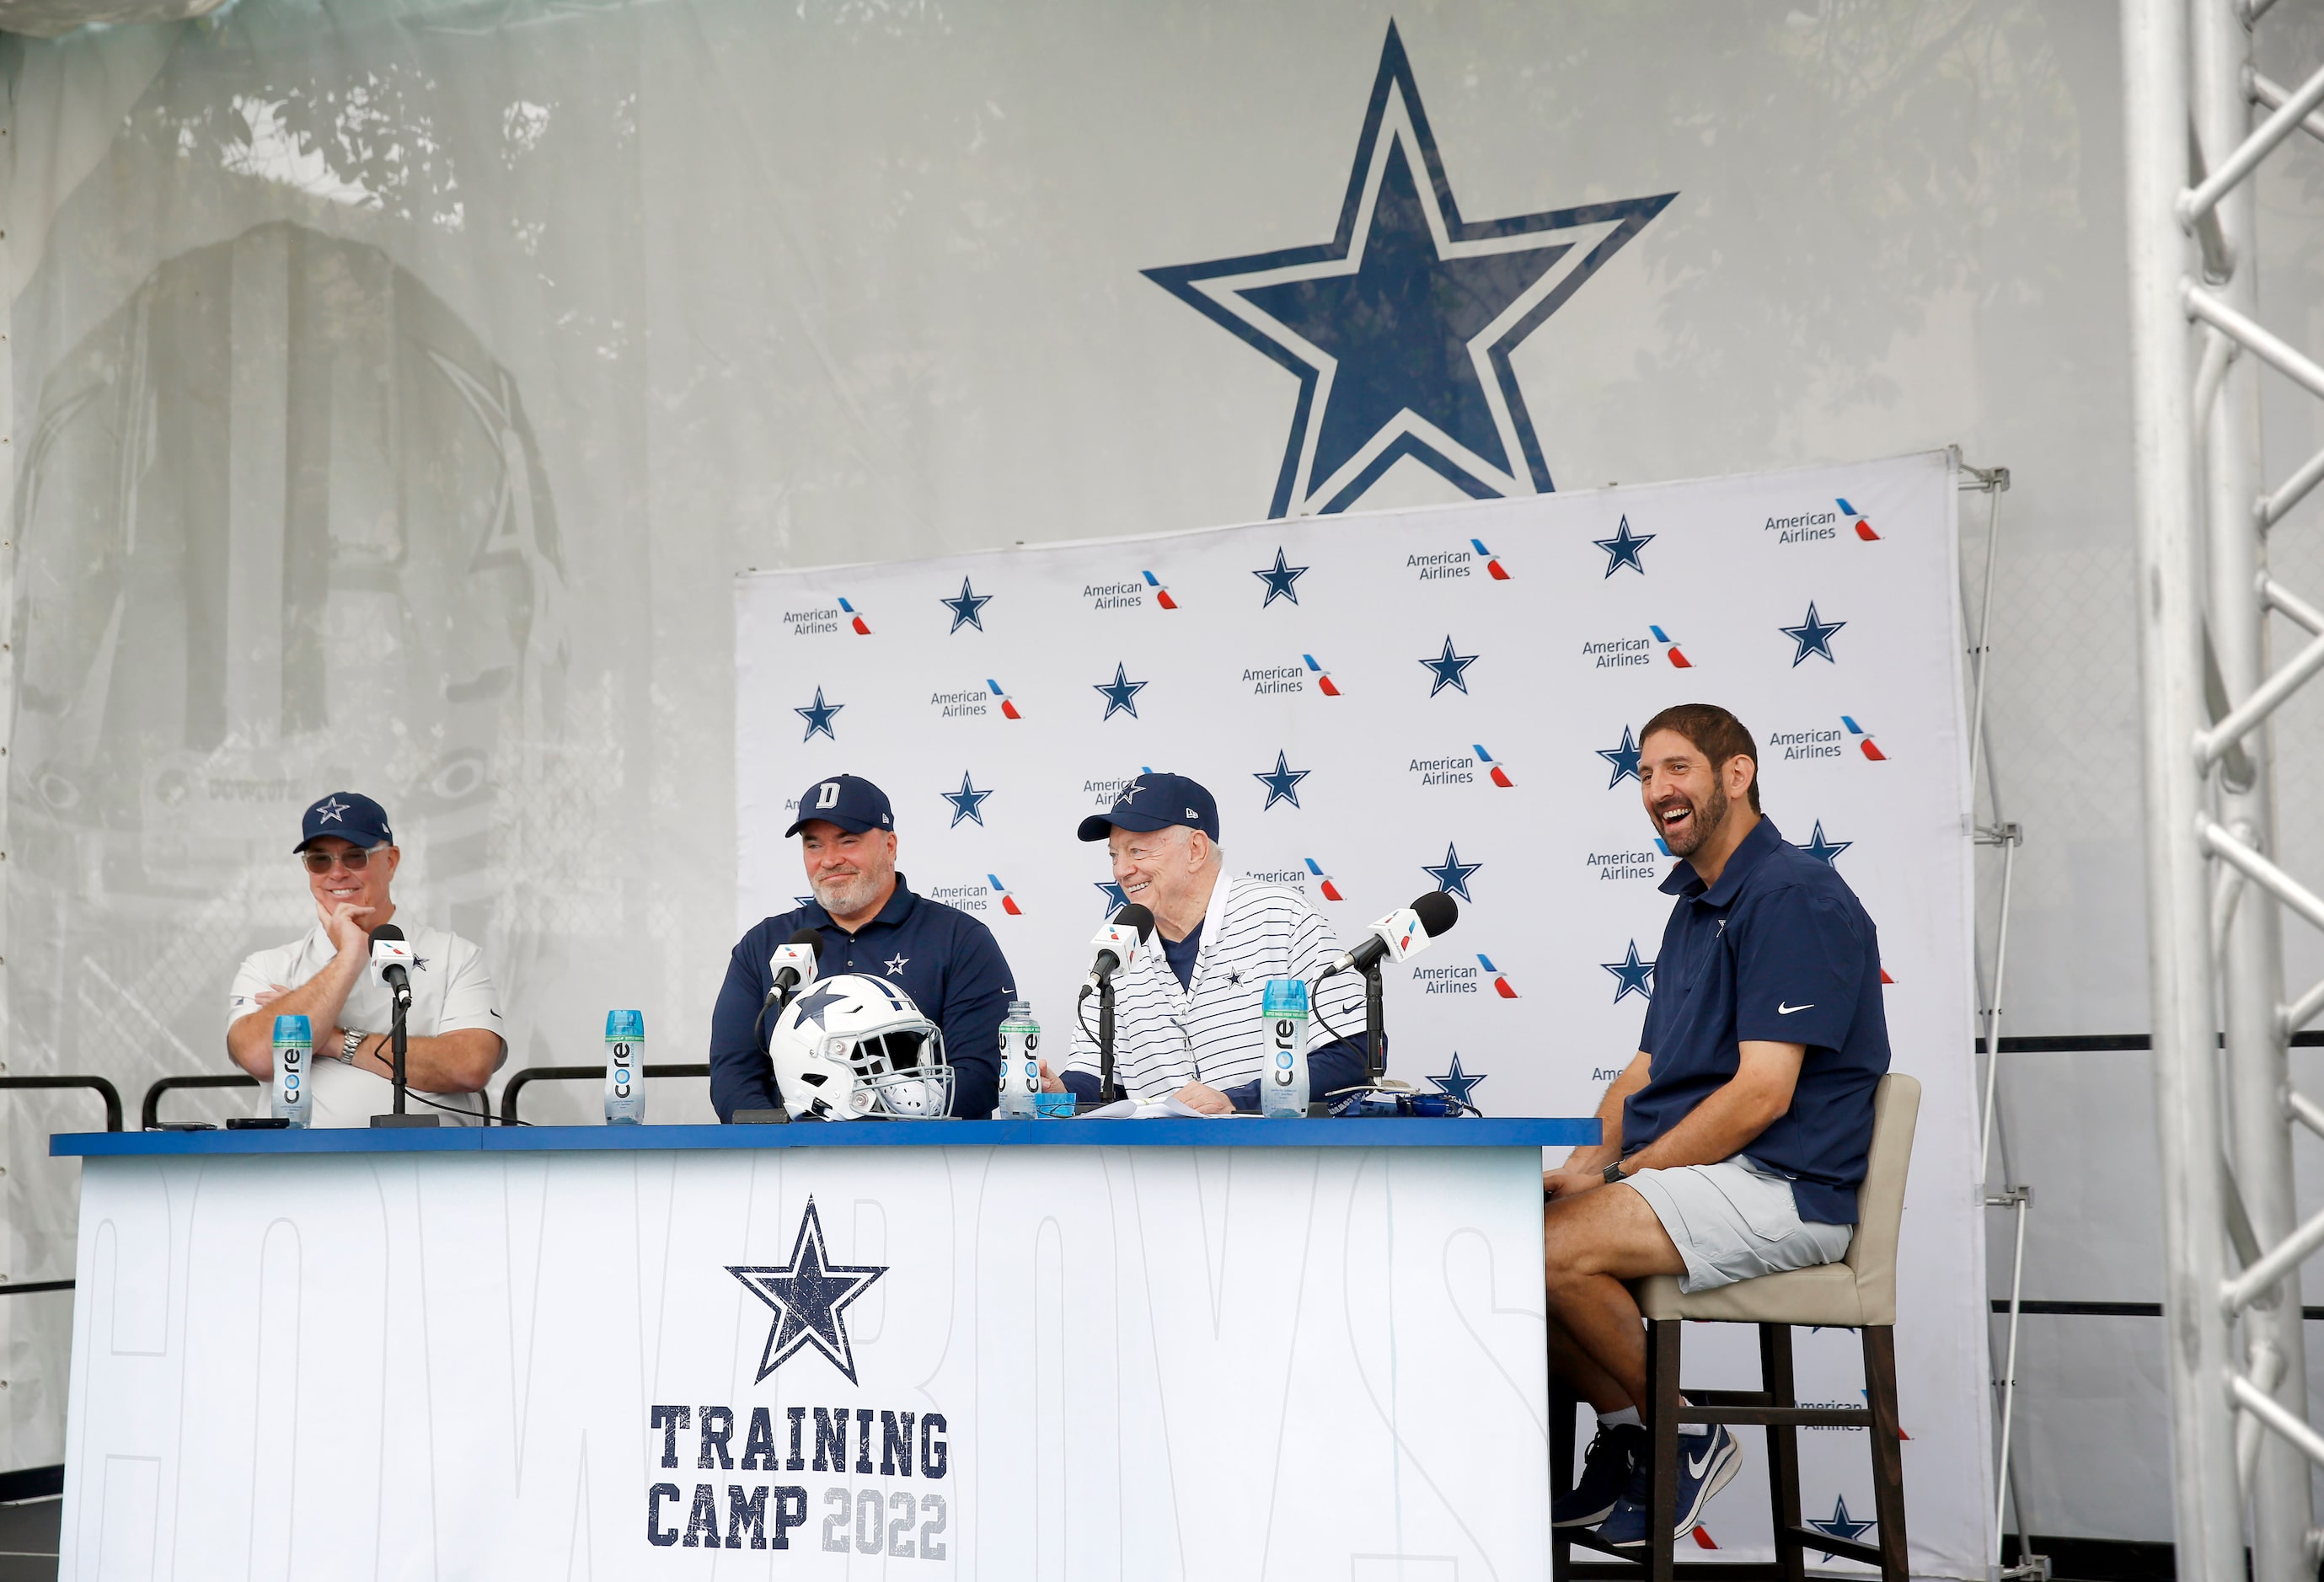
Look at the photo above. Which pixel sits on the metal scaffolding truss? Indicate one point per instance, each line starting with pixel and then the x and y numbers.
pixel 2199 120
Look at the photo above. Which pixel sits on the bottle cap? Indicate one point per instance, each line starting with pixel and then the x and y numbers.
pixel 1021 1010
pixel 630 1026
pixel 293 1030
pixel 1286 996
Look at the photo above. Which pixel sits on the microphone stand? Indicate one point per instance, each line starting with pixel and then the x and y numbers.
pixel 397 1042
pixel 1375 1029
pixel 1107 1093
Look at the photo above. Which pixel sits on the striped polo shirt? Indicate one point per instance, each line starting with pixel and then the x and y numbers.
pixel 1165 1038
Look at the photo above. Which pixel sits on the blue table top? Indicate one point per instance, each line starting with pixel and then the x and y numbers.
pixel 1171 1133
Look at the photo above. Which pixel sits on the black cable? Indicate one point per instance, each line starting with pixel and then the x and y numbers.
pixel 485 1120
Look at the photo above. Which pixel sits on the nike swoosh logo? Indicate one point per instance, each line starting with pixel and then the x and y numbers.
pixel 1694 1468
pixel 1784 1010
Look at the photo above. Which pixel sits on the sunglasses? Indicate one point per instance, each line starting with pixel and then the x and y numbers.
pixel 354 859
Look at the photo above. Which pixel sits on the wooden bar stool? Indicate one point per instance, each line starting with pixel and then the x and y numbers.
pixel 1859 1293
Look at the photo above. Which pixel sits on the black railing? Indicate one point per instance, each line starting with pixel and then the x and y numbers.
pixel 150 1112
pixel 516 1084
pixel 2111 1042
pixel 103 1089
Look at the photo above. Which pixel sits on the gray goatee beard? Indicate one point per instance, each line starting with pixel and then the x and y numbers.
pixel 843 895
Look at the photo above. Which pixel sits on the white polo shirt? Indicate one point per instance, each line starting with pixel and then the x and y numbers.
pixel 1209 1032
pixel 451 989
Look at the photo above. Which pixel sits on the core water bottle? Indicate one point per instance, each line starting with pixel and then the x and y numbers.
pixel 1021 1062
pixel 625 1059
pixel 1282 1085
pixel 294 1060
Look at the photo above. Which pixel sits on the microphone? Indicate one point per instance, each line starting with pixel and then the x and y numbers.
pixel 391 958
pixel 1117 943
pixel 793 962
pixel 1402 935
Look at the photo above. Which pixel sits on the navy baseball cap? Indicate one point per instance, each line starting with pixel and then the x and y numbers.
pixel 1156 802
pixel 352 816
pixel 849 801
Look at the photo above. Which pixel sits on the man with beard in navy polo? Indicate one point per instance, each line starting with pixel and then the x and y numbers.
pixel 871 922
pixel 1736 1139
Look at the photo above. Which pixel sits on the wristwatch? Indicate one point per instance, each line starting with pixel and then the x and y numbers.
pixel 353 1041
pixel 1614 1173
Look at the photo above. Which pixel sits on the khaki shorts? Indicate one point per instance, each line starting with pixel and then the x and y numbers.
pixel 1733 1221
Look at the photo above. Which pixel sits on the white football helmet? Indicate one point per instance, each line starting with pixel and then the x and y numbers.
pixel 853 1047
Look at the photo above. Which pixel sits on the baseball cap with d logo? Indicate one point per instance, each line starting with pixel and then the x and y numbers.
pixel 849 801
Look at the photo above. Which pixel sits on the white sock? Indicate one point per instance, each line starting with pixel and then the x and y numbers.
pixel 1625 1418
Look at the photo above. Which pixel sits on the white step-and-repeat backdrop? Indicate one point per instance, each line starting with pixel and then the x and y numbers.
pixel 1450 698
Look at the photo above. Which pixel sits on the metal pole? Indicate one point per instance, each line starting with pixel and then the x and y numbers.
pixel 1985 642
pixel 2007 836
pixel 2251 946
pixel 2023 1198
pixel 2209 1525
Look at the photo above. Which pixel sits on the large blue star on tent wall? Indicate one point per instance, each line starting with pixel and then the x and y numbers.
pixel 1400 327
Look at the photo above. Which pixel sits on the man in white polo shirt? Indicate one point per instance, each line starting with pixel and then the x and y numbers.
pixel 1186 1015
pixel 453 1042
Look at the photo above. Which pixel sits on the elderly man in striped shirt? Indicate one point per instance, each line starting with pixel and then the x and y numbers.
pixel 1186 1021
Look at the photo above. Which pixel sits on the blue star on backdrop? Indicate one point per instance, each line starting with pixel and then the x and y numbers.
pixel 1114 900
pixel 1451 669
pixel 967 802
pixel 1812 634
pixel 810 1295
pixel 1631 975
pixel 1623 548
pixel 1457 1083
pixel 1824 851
pixel 968 609
pixel 1451 875
pixel 1625 760
pixel 1839 1526
pixel 1120 693
pixel 1278 579
pixel 1400 341
pixel 1282 782
pixel 818 716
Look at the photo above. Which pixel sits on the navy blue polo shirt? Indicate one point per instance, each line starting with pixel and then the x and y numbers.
pixel 947 960
pixel 1778 949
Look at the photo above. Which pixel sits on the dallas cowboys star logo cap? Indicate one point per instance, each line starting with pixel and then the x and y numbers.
pixel 352 816
pixel 850 801
pixel 1156 802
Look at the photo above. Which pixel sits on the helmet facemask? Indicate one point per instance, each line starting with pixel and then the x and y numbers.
pixel 900 1072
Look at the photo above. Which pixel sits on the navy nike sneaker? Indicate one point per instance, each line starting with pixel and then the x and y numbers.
pixel 1607 1470
pixel 1707 1463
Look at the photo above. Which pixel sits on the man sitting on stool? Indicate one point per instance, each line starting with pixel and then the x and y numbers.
pixel 454 1042
pixel 1735 1141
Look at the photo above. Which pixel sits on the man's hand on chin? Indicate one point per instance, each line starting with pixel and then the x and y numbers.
pixel 1208 1100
